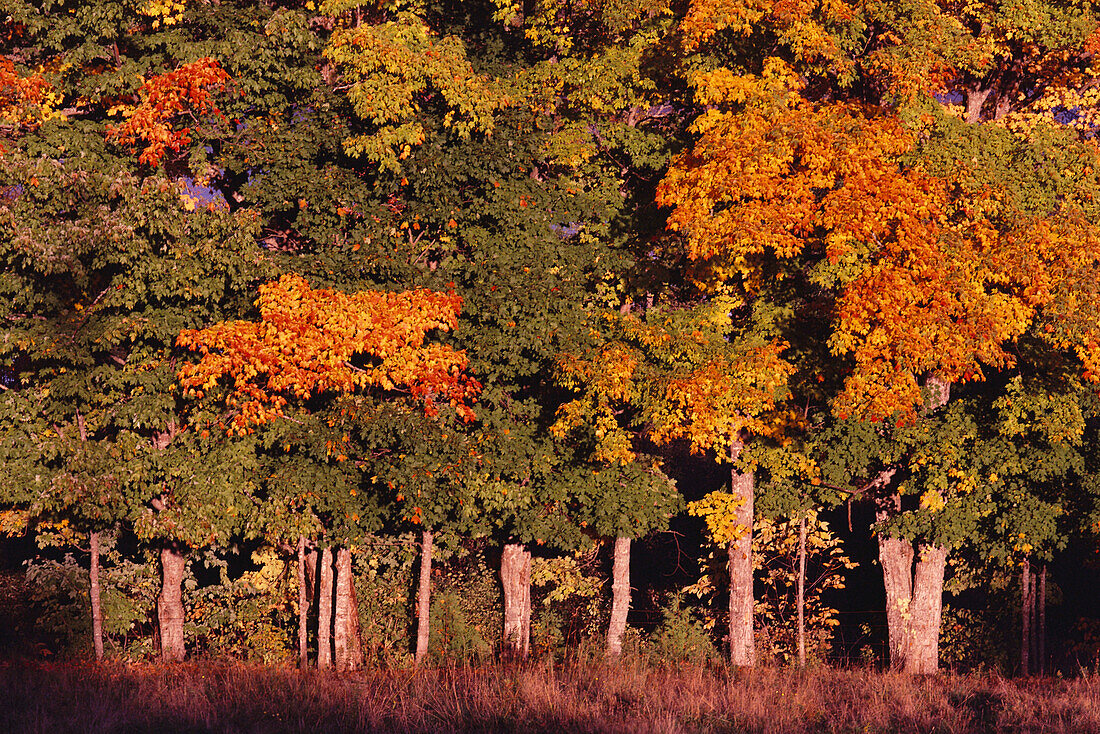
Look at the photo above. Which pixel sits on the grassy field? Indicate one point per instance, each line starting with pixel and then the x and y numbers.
pixel 214 697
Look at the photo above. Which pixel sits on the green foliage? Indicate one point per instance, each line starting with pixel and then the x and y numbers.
pixel 385 577
pixel 681 637
pixel 60 602
pixel 569 600
pixel 466 611
pixel 249 617
pixel 453 638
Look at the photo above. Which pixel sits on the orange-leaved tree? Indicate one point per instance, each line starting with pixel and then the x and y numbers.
pixel 933 278
pixel 310 342
pixel 307 343
pixel 151 125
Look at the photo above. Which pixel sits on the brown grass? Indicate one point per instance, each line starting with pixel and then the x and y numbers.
pixel 219 697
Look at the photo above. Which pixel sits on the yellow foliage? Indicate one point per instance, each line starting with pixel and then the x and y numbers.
pixel 719 510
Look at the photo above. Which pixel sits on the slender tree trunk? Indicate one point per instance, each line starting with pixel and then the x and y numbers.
pixel 424 598
pixel 170 604
pixel 1026 605
pixel 1041 658
pixel 742 645
pixel 93 588
pixel 324 611
pixel 923 655
pixel 800 600
pixel 515 578
pixel 346 624
pixel 620 597
pixel 93 569
pixel 355 632
pixel 303 607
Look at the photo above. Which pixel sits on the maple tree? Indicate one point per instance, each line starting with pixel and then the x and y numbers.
pixel 305 345
pixel 879 275
pixel 164 98
pixel 925 263
pixel 307 339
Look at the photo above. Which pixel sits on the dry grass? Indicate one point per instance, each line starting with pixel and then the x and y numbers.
pixel 220 697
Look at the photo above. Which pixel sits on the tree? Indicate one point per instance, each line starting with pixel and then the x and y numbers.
pixel 305 345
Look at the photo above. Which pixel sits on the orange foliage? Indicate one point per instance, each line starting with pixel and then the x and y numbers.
pixel 926 282
pixel 163 99
pixel 306 341
pixel 18 93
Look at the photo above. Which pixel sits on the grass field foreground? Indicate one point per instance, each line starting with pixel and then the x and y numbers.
pixel 216 697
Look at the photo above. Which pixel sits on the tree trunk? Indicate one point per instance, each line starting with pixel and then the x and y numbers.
pixel 742 646
pixel 515 578
pixel 923 654
pixel 1026 605
pixel 324 611
pixel 620 597
pixel 93 589
pixel 170 604
pixel 800 600
pixel 346 630
pixel 355 632
pixel 975 100
pixel 424 597
pixel 303 607
pixel 896 558
pixel 1041 657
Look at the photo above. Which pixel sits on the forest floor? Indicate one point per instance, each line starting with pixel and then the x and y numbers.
pixel 58 697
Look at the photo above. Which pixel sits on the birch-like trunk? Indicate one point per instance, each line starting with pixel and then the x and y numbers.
pixel 800 598
pixel 424 598
pixel 324 611
pixel 93 589
pixel 1026 605
pixel 620 597
pixel 742 645
pixel 170 604
pixel 303 607
pixel 348 649
pixel 1041 657
pixel 515 579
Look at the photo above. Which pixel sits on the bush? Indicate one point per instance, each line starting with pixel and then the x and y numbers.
pixel 681 637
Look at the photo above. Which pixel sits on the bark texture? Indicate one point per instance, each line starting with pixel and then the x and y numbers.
pixel 914 602
pixel 424 597
pixel 324 611
pixel 895 555
pixel 347 647
pixel 303 607
pixel 800 599
pixel 97 607
pixel 742 646
pixel 620 597
pixel 515 578
pixel 170 604
pixel 1041 656
pixel 927 611
pixel 1026 605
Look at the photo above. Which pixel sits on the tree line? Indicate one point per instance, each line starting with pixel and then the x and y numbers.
pixel 313 274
